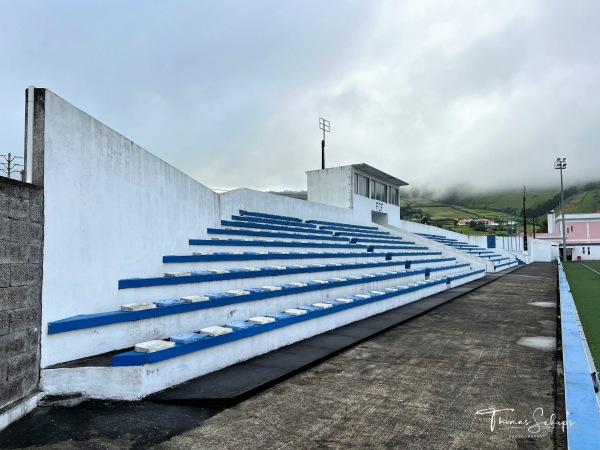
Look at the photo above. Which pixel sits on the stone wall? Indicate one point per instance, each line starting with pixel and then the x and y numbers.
pixel 21 238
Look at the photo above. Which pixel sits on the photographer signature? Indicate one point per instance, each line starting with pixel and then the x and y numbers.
pixel 535 424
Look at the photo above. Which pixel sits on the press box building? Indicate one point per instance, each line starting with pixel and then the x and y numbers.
pixel 370 193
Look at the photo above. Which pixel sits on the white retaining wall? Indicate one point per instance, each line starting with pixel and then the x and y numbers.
pixel 112 210
pixel 538 250
pixel 447 251
pixel 543 251
pixel 367 210
pixel 247 199
pixel 332 186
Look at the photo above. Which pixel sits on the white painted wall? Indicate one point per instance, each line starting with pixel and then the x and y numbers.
pixel 543 251
pixel 539 250
pixel 512 244
pixel 112 210
pixel 364 207
pixel 504 245
pixel 585 252
pixel 447 251
pixel 231 202
pixel 480 241
pixel 331 186
pixel 415 227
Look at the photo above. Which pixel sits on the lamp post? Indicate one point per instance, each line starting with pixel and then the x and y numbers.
pixel 561 164
pixel 323 125
pixel 524 223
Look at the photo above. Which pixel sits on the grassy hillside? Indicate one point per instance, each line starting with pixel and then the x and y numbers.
pixel 498 201
pixel 582 202
pixel 491 205
pixel 496 206
pixel 442 211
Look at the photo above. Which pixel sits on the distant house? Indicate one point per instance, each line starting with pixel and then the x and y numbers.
pixel 582 234
pixel 487 222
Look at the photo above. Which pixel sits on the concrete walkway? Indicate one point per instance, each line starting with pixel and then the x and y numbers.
pixel 478 372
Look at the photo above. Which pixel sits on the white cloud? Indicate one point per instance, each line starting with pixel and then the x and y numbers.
pixel 437 93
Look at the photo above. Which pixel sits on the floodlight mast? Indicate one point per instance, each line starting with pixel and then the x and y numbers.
pixel 325 126
pixel 524 223
pixel 561 164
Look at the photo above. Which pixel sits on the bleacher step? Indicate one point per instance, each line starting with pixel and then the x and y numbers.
pixel 238 382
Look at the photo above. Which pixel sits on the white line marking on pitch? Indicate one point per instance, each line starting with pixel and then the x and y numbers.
pixel 590 269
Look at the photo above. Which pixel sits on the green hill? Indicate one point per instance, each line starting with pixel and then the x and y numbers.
pixel 499 201
pixel 499 206
pixel 490 205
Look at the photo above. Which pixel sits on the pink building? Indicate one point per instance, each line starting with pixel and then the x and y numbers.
pixel 582 234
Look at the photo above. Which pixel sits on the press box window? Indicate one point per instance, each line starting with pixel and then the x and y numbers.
pixel 393 196
pixel 361 185
pixel 378 191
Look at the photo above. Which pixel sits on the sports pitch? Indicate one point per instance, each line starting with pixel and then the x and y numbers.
pixel 584 280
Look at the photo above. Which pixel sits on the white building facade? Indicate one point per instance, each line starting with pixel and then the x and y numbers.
pixel 582 233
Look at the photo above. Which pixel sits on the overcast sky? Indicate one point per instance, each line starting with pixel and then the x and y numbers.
pixel 437 93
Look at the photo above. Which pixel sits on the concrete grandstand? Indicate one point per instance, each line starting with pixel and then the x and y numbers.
pixel 151 279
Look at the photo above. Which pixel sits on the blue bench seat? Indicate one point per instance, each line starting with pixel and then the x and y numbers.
pixel 367 235
pixel 346 225
pixel 269 216
pixel 354 230
pixel 221 298
pixel 276 234
pixel 247 256
pixel 265 226
pixel 205 276
pixel 273 221
pixel 133 358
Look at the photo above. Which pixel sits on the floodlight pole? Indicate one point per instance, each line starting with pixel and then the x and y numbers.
pixel 560 165
pixel 325 126
pixel 524 223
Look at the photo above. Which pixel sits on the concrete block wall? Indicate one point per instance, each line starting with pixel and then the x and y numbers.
pixel 21 237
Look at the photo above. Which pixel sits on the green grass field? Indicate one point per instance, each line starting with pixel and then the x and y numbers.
pixel 585 287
